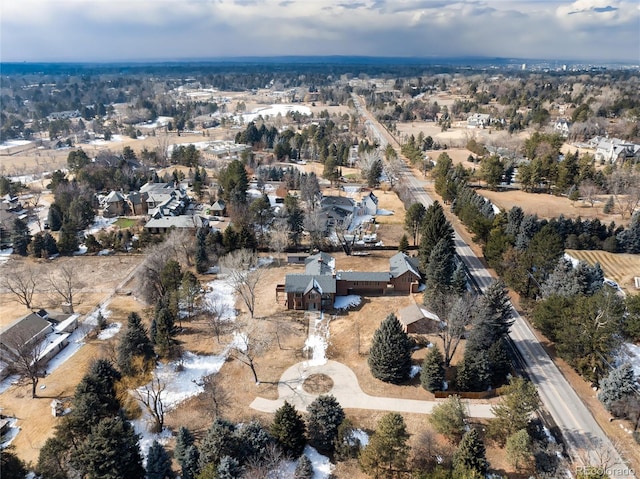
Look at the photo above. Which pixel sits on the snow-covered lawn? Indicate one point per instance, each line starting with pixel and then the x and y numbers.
pixel 384 212
pixel 275 110
pixel 99 223
pixel 110 331
pixel 346 302
pixel 12 143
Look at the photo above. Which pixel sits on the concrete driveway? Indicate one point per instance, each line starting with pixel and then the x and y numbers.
pixel 348 393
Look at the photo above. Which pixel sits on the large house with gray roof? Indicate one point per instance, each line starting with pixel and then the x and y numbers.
pixel 318 287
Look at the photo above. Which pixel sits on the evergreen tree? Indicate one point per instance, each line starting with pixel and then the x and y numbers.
pixel 218 442
pixel 110 451
pixel 165 331
pixel 229 468
pixel 53 457
pixel 20 237
pixel 37 246
pixel 190 463
pixel 432 374
pixel 390 353
pixel 436 227
pixel 374 173
pixel 493 318
pixel 439 271
pixel 473 373
pixel 347 445
pixel 617 386
pixel 49 244
pixel 252 441
pixel 324 416
pixel 304 468
pixel 459 280
pixel 471 453
pixel 449 418
pixel 158 463
pixel 403 246
pixel 134 343
pixel 11 466
pixel 289 430
pixel 54 217
pixel 184 440
pixel 68 239
pixel 513 412
pixel 387 451
pixel 499 362
pixel 519 449
pixel 629 239
pixel 607 209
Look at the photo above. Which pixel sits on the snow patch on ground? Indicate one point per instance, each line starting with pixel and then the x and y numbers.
pixel 99 223
pixel 322 467
pixel 630 353
pixel 384 212
pixel 275 110
pixel 5 254
pixel 13 143
pixel 110 331
pixel 361 436
pixel 11 433
pixel 346 302
pixel 220 298
pixel 415 370
pixel 82 249
pixel 317 342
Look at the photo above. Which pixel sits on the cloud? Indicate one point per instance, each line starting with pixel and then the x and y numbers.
pixel 168 29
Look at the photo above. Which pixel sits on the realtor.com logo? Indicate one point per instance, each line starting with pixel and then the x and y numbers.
pixel 593 471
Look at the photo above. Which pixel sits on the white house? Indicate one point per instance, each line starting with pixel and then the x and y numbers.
pixel 478 120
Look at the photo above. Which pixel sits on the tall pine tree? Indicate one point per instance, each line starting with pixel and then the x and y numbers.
pixel 289 430
pixel 471 453
pixel 390 353
pixel 324 416
pixel 432 374
pixel 134 343
pixel 158 462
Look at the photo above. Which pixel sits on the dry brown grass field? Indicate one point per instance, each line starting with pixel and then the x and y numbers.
pixel 550 206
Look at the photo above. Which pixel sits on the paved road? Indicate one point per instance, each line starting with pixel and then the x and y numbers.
pixel 581 433
pixel 348 393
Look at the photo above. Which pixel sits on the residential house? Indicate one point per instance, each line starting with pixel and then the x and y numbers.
pixel 310 292
pixel 48 332
pixel 137 203
pixel 478 120
pixel 337 210
pixel 614 150
pixel 415 320
pixel 161 224
pixel 114 204
pixel 219 208
pixel 405 275
pixel 369 204
pixel 562 127
pixel 317 288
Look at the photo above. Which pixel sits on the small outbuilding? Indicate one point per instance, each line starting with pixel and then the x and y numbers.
pixel 416 320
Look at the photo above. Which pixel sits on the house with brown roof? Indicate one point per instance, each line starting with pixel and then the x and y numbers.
pixel 416 320
pixel 318 287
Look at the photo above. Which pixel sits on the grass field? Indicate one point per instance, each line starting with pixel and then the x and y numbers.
pixel 124 223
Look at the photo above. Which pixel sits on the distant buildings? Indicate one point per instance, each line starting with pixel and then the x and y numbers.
pixel 614 150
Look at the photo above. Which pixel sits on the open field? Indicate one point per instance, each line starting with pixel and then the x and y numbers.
pixel 621 268
pixel 550 206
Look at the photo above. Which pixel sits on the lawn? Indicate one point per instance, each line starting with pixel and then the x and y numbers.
pixel 124 223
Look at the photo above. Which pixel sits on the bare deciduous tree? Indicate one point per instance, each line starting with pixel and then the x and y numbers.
pixel 624 185
pixel 151 396
pixel 279 237
pixel 65 282
pixel 217 317
pixel 23 285
pixel 23 354
pixel 589 190
pixel 455 314
pixel 244 275
pixel 248 346
pixel 214 398
pixel 392 170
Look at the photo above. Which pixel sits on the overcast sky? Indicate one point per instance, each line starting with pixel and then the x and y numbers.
pixel 120 30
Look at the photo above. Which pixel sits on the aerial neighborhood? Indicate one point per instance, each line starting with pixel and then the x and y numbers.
pixel 269 270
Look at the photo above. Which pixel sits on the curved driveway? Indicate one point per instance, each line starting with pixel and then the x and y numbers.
pixel 348 393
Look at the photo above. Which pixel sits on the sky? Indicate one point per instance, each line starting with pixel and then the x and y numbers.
pixel 147 30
